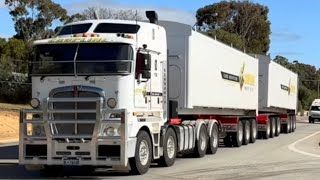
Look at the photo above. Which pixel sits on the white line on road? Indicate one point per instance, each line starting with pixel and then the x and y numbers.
pixel 293 148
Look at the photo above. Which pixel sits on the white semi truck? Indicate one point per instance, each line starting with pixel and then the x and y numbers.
pixel 123 94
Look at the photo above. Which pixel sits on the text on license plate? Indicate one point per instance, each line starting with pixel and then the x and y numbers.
pixel 71 162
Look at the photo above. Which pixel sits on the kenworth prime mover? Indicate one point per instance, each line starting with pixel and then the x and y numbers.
pixel 122 94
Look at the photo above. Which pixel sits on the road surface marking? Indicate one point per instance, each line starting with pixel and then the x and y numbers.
pixel 293 148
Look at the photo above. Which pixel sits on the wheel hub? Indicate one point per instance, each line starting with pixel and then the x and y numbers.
pixel 144 152
pixel 170 147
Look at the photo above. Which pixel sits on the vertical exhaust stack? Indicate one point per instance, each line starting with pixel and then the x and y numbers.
pixel 152 16
pixel 96 14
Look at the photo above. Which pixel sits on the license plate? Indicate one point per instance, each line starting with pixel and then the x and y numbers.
pixel 71 162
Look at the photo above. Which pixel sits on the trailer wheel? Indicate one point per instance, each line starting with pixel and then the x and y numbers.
pixel 253 131
pixel 278 125
pixel 273 127
pixel 140 163
pixel 246 132
pixel 287 127
pixel 237 138
pixel 213 140
pixel 169 149
pixel 292 123
pixel 266 133
pixel 202 142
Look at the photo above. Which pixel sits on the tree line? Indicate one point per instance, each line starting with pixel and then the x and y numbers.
pixel 242 24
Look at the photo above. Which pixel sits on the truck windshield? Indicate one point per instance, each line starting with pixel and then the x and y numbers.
pixel 315 108
pixel 82 59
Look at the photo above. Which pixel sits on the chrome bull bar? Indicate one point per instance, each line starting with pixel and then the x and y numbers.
pixel 49 138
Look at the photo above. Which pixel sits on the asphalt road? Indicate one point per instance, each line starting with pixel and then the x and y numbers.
pixel 289 156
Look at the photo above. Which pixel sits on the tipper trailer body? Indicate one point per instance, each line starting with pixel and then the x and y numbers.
pixel 122 94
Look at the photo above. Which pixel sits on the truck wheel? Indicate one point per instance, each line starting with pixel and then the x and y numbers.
pixel 213 140
pixel 310 119
pixel 237 138
pixel 140 163
pixel 266 133
pixel 287 127
pixel 292 124
pixel 253 130
pixel 202 142
pixel 278 126
pixel 273 127
pixel 169 149
pixel 246 134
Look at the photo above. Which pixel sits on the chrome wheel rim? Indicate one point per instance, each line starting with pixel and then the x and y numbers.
pixel 144 152
pixel 170 147
pixel 202 141
pixel 215 139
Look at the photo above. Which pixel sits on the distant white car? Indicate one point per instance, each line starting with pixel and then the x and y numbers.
pixel 314 111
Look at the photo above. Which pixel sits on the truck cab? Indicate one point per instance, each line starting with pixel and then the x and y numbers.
pixel 314 111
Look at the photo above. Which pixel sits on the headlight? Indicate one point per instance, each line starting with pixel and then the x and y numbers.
pixel 111 103
pixel 35 103
pixel 110 131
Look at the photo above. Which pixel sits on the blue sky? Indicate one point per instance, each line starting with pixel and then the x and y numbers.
pixel 295 31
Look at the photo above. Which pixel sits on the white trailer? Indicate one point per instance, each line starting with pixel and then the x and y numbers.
pixel 122 94
pixel 278 94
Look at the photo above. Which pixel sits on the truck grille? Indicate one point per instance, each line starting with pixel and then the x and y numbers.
pixel 78 128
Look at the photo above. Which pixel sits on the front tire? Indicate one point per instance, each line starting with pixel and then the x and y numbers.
pixel 140 163
pixel 169 149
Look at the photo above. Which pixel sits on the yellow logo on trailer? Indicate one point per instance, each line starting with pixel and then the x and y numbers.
pixel 246 78
pixel 292 88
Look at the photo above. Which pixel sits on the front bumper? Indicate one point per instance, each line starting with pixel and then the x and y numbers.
pixel 73 149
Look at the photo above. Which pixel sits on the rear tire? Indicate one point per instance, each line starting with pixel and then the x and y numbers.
pixel 169 149
pixel 213 140
pixel 266 133
pixel 292 123
pixel 202 142
pixel 287 127
pixel 253 131
pixel 237 137
pixel 140 164
pixel 246 132
pixel 273 127
pixel 278 126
